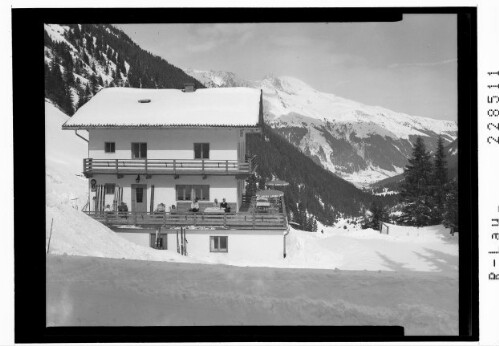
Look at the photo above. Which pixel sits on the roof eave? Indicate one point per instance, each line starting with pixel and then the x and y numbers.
pixel 89 127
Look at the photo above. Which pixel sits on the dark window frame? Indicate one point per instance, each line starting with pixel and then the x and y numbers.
pixel 192 188
pixel 215 240
pixel 142 150
pixel 203 151
pixel 109 185
pixel 109 147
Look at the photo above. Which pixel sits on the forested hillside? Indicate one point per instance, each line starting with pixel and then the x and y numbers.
pixel 80 59
pixel 312 189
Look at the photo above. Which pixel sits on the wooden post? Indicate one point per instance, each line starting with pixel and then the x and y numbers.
pixel 134 217
pixel 227 166
pixel 175 167
pixel 202 166
pixel 178 246
pixel 116 163
pixel 146 167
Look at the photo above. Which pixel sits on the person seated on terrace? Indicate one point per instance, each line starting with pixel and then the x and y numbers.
pixel 123 210
pixel 108 209
pixel 225 206
pixel 160 208
pixel 215 204
pixel 195 205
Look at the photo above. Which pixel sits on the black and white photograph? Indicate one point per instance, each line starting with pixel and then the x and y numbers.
pixel 266 173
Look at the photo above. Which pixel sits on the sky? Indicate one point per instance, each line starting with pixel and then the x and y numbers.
pixel 408 66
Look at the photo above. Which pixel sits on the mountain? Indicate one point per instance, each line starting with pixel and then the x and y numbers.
pixel 362 144
pixel 80 59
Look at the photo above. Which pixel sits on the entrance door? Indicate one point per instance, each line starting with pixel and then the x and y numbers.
pixel 139 198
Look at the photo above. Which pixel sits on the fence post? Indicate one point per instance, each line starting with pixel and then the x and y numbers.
pixel 116 161
pixel 227 166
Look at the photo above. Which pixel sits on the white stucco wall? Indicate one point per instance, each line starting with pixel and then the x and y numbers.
pixel 166 143
pixel 242 245
pixel 142 239
pixel 164 187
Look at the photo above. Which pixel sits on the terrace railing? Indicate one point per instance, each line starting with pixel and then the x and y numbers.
pixel 253 221
pixel 165 166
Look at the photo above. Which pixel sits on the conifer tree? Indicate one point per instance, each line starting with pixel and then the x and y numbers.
pixel 451 207
pixel 251 186
pixel 417 186
pixel 439 181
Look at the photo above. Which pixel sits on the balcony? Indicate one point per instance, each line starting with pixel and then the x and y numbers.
pixel 173 167
pixel 221 221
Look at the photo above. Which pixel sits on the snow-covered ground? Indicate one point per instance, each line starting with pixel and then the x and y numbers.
pixel 89 291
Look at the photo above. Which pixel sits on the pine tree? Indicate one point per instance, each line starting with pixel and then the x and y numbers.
pixel 417 187
pixel 314 225
pixel 378 214
pixel 451 207
pixel 251 186
pixel 439 181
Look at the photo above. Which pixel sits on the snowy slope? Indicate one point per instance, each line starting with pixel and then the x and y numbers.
pixel 362 144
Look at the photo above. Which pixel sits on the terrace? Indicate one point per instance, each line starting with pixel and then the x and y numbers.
pixel 251 216
pixel 240 220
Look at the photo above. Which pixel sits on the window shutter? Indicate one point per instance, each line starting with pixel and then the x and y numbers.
pixel 135 150
pixel 143 150
pixel 206 151
pixel 197 150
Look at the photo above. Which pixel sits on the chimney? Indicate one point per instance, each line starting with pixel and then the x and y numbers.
pixel 189 88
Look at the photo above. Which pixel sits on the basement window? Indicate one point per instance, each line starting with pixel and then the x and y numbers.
pixel 219 244
pixel 159 243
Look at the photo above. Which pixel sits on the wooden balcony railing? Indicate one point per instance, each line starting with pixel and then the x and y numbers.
pixel 250 221
pixel 165 167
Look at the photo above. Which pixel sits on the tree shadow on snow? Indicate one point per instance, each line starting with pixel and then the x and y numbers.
pixel 391 264
pixel 441 261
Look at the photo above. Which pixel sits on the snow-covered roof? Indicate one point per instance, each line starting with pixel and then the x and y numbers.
pixel 120 107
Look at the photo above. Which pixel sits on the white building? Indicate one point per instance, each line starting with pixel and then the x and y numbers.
pixel 152 146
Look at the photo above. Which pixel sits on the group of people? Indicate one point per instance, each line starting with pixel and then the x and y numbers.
pixel 223 206
pixel 162 208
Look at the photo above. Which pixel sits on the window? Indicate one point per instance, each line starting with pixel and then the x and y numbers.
pixel 109 147
pixel 109 188
pixel 160 243
pixel 201 150
pixel 219 244
pixel 139 150
pixel 190 192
